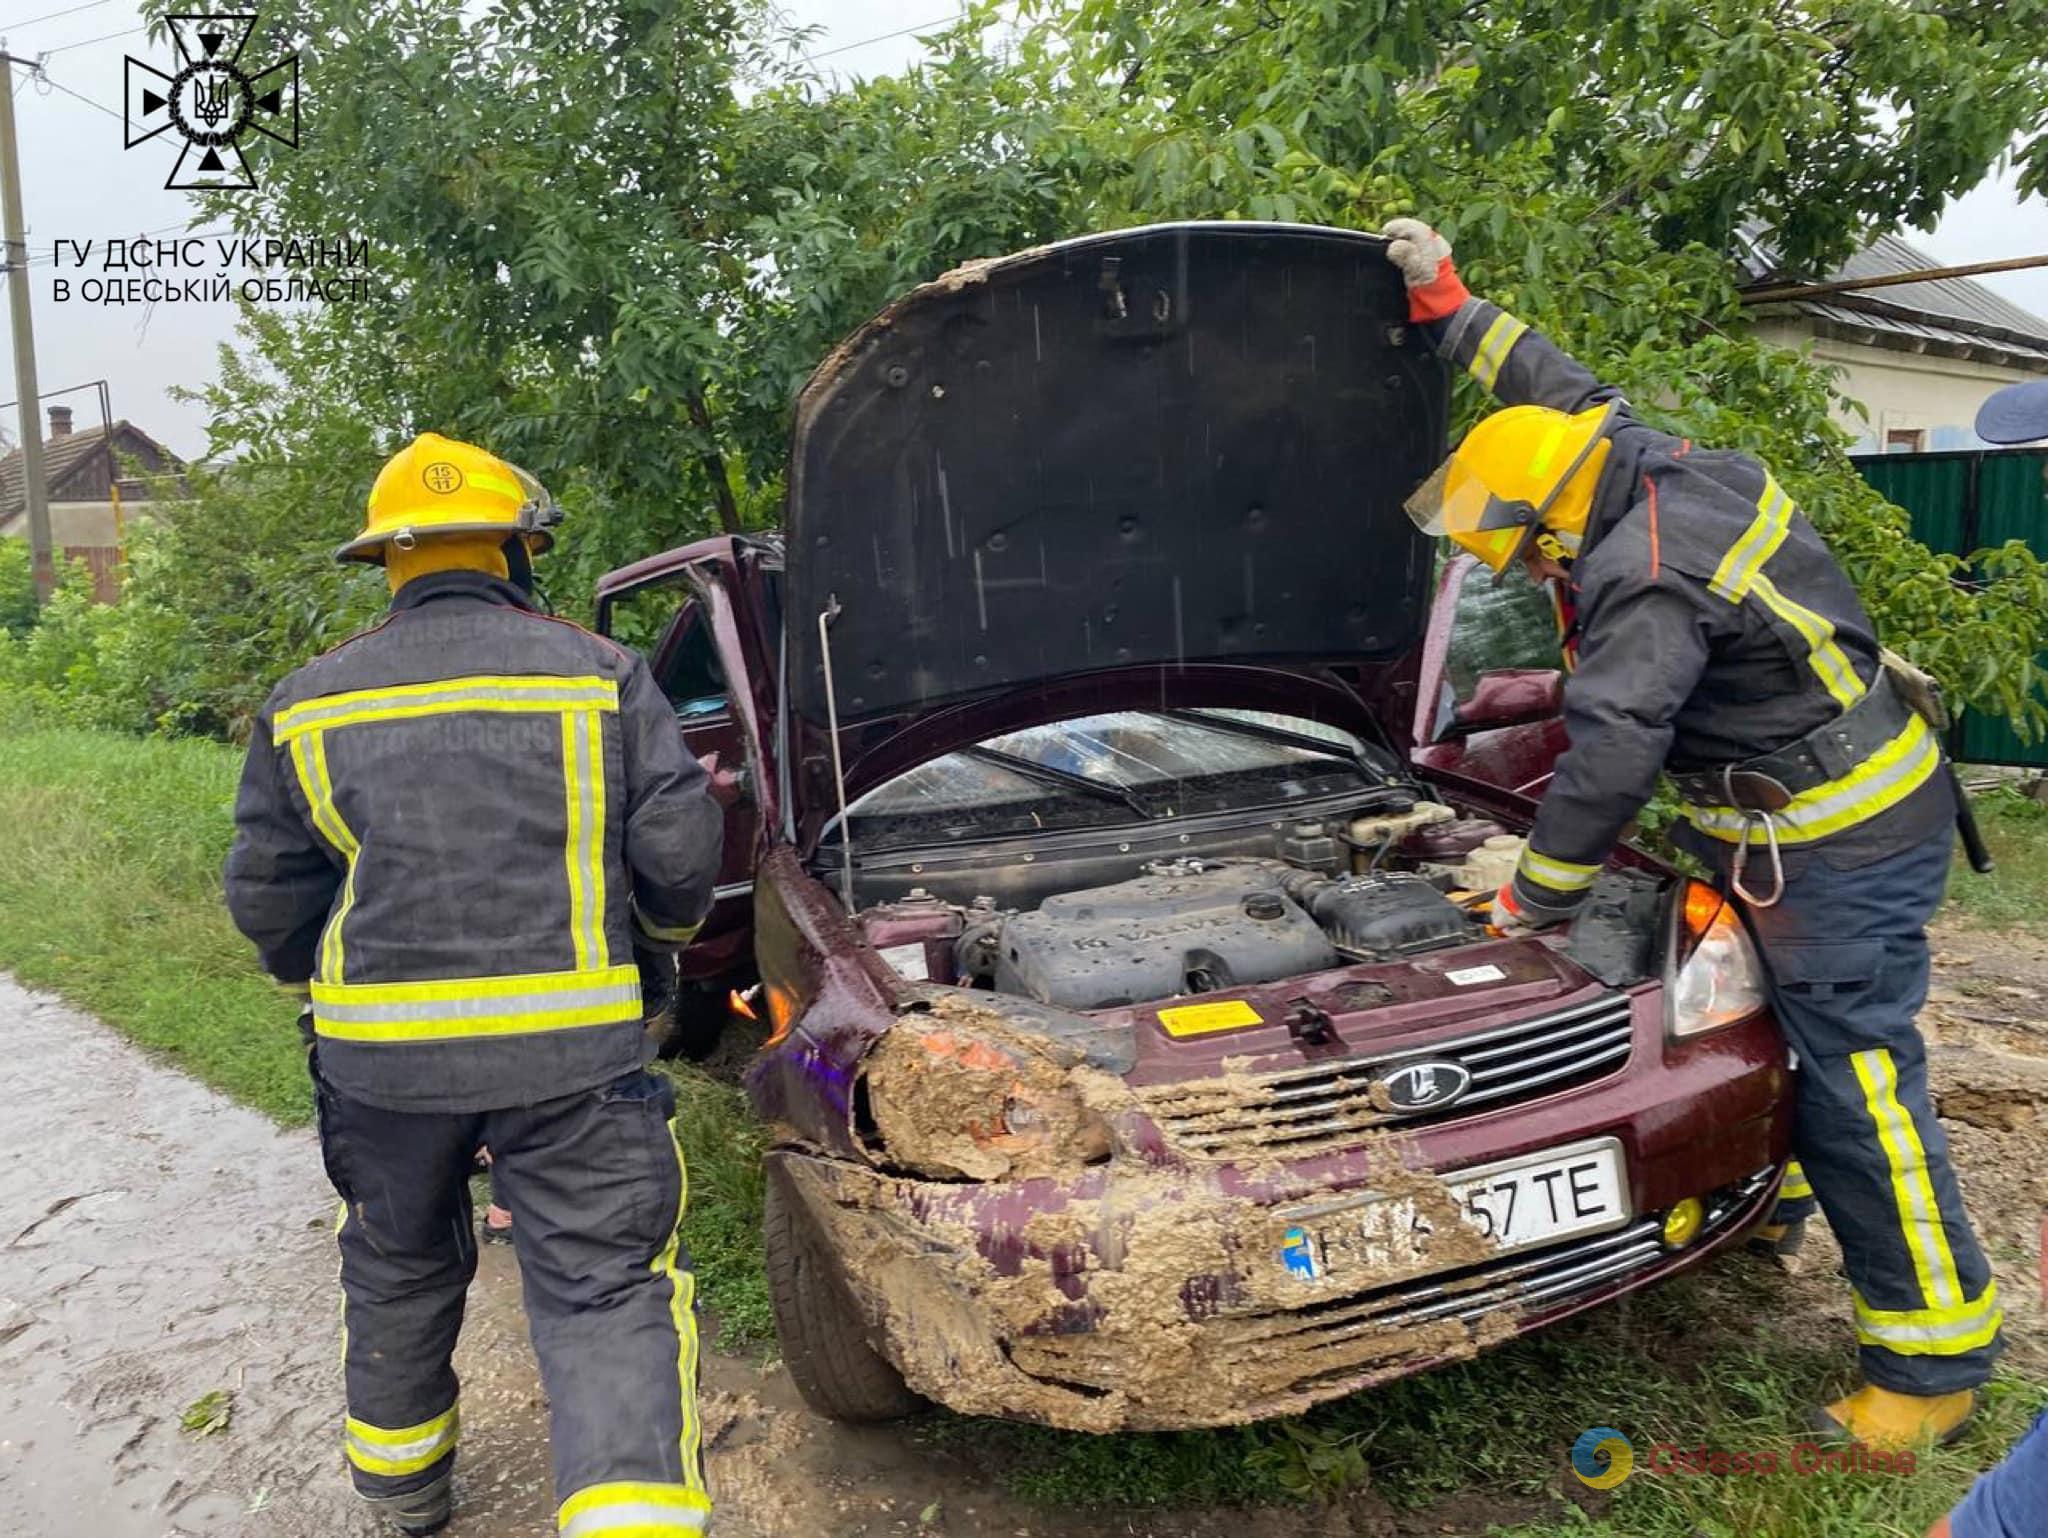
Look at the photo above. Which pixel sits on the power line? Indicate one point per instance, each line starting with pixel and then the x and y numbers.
pixel 923 26
pixel 71 10
pixel 76 96
pixel 45 261
pixel 104 37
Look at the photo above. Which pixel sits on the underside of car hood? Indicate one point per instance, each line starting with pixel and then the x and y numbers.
pixel 1161 447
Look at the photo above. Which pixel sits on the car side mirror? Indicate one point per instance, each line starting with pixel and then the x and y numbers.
pixel 1505 697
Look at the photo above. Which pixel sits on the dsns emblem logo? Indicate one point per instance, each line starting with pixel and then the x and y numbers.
pixel 213 102
pixel 1414 1088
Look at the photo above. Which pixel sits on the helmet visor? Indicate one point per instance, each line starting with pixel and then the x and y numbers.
pixel 1456 502
pixel 540 515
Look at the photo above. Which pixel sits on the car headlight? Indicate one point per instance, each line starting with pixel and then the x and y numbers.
pixel 1717 980
pixel 953 1100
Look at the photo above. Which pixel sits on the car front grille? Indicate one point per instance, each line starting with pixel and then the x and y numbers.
pixel 1314 1109
pixel 1286 1357
pixel 1526 1282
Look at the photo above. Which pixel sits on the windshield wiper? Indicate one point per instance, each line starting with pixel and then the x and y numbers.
pixel 1279 736
pixel 1045 774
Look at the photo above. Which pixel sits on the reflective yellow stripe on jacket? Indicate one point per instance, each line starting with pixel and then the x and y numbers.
pixel 309 759
pixel 470 1007
pixel 1494 348
pixel 1880 782
pixel 1741 575
pixel 1563 876
pixel 532 692
pixel 593 992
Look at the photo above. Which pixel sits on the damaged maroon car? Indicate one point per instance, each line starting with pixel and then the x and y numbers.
pixel 1121 788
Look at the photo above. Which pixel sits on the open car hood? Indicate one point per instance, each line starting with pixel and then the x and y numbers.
pixel 1161 448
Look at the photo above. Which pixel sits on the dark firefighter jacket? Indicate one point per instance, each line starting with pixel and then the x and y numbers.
pixel 1713 626
pixel 455 827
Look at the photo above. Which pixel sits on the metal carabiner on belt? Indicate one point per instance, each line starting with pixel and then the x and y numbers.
pixel 1759 798
pixel 1770 827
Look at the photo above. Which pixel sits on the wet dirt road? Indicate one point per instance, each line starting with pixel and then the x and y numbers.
pixel 158 1243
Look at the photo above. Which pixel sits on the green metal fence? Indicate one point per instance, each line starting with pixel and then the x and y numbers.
pixel 1963 501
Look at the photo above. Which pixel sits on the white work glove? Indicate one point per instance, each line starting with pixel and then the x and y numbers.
pixel 1424 259
pixel 1417 250
pixel 1511 918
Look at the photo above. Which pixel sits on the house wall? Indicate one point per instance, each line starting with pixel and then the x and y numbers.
pixel 1903 390
pixel 138 460
pixel 85 523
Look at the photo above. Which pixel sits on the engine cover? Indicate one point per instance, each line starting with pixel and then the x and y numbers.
pixel 1157 937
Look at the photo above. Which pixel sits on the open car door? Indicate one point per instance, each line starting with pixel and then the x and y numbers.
pixel 1490 698
pixel 677 612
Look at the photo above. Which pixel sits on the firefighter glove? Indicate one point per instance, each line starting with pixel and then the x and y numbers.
pixel 1424 257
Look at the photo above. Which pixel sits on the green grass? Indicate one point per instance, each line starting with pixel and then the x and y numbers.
pixel 2016 893
pixel 722 1147
pixel 110 852
pixel 110 859
pixel 1712 1360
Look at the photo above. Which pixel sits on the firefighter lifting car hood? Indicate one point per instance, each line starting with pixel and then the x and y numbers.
pixel 1164 447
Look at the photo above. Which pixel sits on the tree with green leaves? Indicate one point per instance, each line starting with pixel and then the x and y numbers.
pixel 1596 164
pixel 611 239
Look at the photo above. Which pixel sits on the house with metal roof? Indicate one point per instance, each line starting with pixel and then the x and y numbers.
pixel 96 480
pixel 1919 357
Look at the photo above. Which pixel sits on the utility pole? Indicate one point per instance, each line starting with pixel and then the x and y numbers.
pixel 32 481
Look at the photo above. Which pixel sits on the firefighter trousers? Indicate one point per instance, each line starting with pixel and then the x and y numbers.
pixel 596 1186
pixel 1847 959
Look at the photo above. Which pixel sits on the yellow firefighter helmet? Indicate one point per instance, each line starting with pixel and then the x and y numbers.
pixel 437 486
pixel 1521 473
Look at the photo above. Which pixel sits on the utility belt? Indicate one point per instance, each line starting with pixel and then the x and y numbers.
pixel 1829 752
pixel 1834 763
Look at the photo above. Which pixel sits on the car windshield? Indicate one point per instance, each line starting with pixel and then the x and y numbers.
pixel 1101 770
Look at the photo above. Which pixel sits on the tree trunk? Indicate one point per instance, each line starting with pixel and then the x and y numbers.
pixel 714 464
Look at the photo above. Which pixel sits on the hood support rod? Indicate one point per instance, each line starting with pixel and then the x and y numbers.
pixel 826 616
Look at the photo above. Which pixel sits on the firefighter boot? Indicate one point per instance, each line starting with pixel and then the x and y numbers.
pixel 1885 1421
pixel 1782 1243
pixel 419 1512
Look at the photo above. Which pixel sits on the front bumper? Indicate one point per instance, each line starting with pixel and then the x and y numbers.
pixel 1137 1295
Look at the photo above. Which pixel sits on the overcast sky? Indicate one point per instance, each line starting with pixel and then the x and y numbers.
pixel 79 184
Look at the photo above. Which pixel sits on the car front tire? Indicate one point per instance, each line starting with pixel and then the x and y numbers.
pixel 824 1339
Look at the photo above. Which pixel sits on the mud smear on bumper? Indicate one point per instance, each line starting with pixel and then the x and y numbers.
pixel 1084 1277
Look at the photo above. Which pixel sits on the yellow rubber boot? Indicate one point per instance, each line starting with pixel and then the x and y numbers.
pixel 1889 1422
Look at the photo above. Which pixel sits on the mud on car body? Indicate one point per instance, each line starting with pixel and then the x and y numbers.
pixel 1117 768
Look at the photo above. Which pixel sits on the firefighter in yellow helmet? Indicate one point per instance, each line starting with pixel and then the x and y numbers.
pixel 1714 638
pixel 453 831
pixel 1522 482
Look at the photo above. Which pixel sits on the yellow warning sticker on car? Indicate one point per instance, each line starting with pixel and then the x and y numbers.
pixel 1201 1019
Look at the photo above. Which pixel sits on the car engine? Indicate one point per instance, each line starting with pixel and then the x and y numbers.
pixel 1196 926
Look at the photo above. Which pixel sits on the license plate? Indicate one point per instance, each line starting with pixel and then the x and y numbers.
pixel 1517 1204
